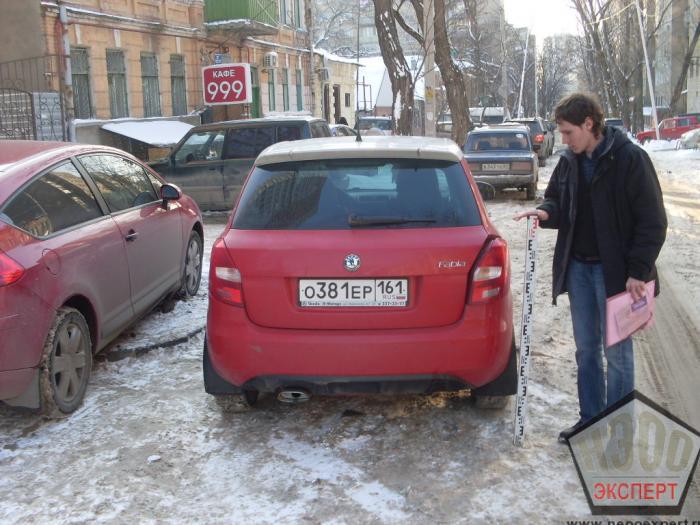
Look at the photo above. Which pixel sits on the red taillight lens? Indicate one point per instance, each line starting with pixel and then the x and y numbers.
pixel 491 273
pixel 522 166
pixel 225 282
pixel 539 138
pixel 10 271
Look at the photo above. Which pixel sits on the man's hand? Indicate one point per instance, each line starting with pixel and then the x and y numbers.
pixel 540 214
pixel 636 288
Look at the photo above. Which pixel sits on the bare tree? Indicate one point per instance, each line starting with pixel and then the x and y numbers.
pixel 678 89
pixel 556 65
pixel 402 85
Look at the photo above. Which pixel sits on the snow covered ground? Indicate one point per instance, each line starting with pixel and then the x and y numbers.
pixel 149 446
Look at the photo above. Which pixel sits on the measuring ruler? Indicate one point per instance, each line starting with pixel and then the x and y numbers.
pixel 526 331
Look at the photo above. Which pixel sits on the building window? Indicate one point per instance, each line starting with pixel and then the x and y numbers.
pixel 116 83
pixel 271 90
pixel 283 12
pixel 151 89
pixel 80 68
pixel 178 85
pixel 285 89
pixel 347 100
pixel 297 12
pixel 300 92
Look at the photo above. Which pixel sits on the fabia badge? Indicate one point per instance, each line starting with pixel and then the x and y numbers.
pixel 352 262
pixel 635 458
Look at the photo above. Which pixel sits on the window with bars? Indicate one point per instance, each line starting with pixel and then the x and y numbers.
pixel 80 68
pixel 272 106
pixel 178 85
pixel 116 83
pixel 300 91
pixel 285 89
pixel 151 89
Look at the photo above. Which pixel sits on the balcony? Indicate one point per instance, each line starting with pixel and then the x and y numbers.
pixel 244 17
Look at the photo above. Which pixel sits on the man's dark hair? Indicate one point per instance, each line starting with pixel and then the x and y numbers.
pixel 575 108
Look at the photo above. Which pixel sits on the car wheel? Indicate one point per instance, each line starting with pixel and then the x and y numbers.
pixel 531 191
pixel 66 364
pixel 237 403
pixel 192 274
pixel 491 402
pixel 541 162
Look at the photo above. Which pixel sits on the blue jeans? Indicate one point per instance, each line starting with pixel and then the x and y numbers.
pixel 587 298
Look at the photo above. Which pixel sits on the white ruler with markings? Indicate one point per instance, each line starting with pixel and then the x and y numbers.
pixel 526 332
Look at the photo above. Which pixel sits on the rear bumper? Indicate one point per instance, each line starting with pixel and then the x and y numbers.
pixel 469 353
pixel 506 180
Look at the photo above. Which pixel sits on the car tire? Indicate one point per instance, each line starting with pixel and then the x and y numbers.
pixel 192 273
pixel 66 364
pixel 531 191
pixel 541 162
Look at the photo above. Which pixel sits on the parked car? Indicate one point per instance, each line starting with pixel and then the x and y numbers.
pixel 375 125
pixel 617 123
pixel 670 128
pixel 690 139
pixel 356 267
pixel 502 156
pixel 211 161
pixel 541 138
pixel 342 130
pixel 90 241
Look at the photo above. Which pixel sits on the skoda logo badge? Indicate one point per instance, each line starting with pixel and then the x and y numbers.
pixel 352 262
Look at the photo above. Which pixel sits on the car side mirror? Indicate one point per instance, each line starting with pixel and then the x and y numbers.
pixel 169 192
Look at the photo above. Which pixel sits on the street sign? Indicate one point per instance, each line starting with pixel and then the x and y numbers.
pixel 227 84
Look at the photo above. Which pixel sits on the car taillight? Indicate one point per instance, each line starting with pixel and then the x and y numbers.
pixel 225 282
pixel 539 138
pixel 491 273
pixel 10 270
pixel 522 166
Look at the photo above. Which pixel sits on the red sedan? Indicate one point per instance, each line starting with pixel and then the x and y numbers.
pixel 352 267
pixel 90 240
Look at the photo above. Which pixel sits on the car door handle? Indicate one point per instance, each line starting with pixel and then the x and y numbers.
pixel 132 235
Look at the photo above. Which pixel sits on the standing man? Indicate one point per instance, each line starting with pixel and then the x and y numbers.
pixel 605 200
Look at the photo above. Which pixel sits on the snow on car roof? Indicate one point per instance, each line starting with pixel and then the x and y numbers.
pixel 153 132
pixel 370 147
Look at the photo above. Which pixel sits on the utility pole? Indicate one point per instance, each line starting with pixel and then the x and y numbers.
pixel 429 65
pixel 650 81
pixel 522 76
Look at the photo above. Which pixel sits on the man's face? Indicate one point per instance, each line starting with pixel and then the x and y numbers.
pixel 578 138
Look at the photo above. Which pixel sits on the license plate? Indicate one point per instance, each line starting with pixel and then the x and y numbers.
pixel 353 292
pixel 495 167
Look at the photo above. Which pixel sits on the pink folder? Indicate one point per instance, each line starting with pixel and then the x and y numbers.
pixel 623 316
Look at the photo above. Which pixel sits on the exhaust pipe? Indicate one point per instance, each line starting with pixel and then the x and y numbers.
pixel 293 396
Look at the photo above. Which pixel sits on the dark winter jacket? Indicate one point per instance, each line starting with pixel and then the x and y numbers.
pixel 628 211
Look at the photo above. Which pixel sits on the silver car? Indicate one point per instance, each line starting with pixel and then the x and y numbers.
pixel 502 157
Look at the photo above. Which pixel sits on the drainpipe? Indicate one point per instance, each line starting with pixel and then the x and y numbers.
pixel 67 72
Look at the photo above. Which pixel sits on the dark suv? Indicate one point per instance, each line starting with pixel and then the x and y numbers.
pixel 211 161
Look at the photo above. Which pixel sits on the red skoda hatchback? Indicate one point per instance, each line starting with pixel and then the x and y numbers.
pixel 90 240
pixel 353 267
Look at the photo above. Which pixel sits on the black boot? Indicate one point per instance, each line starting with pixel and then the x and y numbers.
pixel 566 434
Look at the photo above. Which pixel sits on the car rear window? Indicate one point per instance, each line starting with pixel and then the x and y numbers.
pixel 516 141
pixel 343 194
pixel 369 123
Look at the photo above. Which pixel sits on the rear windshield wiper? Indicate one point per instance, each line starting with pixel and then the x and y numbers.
pixel 355 220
